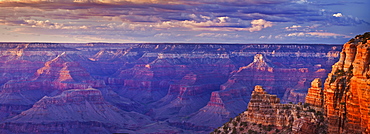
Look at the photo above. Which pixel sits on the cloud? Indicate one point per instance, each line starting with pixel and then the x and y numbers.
pixel 302 2
pixel 167 19
pixel 217 24
pixel 218 35
pixel 258 25
pixel 338 15
pixel 317 34
pixel 297 34
pixel 326 34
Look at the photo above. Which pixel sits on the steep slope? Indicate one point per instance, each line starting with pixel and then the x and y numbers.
pixel 186 97
pixel 344 100
pixel 151 82
pixel 347 89
pixel 235 94
pixel 265 114
pixel 12 102
pixel 60 73
pixel 57 75
pixel 74 111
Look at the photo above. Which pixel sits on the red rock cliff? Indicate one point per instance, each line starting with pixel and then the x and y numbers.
pixel 347 89
pixel 315 94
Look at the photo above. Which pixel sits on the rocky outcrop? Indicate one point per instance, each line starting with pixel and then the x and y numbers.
pixel 344 100
pixel 315 94
pixel 236 92
pixel 265 114
pixel 76 110
pixel 266 109
pixel 275 77
pixel 346 90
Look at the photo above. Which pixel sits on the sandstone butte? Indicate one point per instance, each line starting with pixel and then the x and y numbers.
pixel 341 106
pixel 265 114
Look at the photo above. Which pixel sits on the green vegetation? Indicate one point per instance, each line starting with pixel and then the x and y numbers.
pixel 244 124
pixel 318 113
pixel 364 37
pixel 267 128
pixel 252 132
pixel 235 123
pixel 306 105
pixel 234 131
pixel 311 110
pixel 340 72
pixel 225 128
pixel 238 119
pixel 230 119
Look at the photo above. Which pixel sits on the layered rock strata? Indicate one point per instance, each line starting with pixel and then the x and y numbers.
pixel 315 94
pixel 160 80
pixel 347 89
pixel 344 100
pixel 74 111
pixel 265 114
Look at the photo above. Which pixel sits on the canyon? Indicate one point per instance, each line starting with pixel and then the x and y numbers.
pixel 338 105
pixel 163 87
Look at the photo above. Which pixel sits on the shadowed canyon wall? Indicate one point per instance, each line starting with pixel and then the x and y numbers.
pixel 169 88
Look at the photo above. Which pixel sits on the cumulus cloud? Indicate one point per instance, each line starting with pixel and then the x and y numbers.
pixel 258 25
pixel 338 15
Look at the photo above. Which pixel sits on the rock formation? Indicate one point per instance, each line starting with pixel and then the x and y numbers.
pixel 347 90
pixel 236 92
pixel 265 114
pixel 342 106
pixel 187 88
pixel 60 73
pixel 57 75
pixel 74 111
pixel 315 94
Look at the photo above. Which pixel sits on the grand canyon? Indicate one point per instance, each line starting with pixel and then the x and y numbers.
pixel 184 67
pixel 338 105
pixel 184 88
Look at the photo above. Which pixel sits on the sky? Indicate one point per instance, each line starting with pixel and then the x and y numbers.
pixel 183 21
